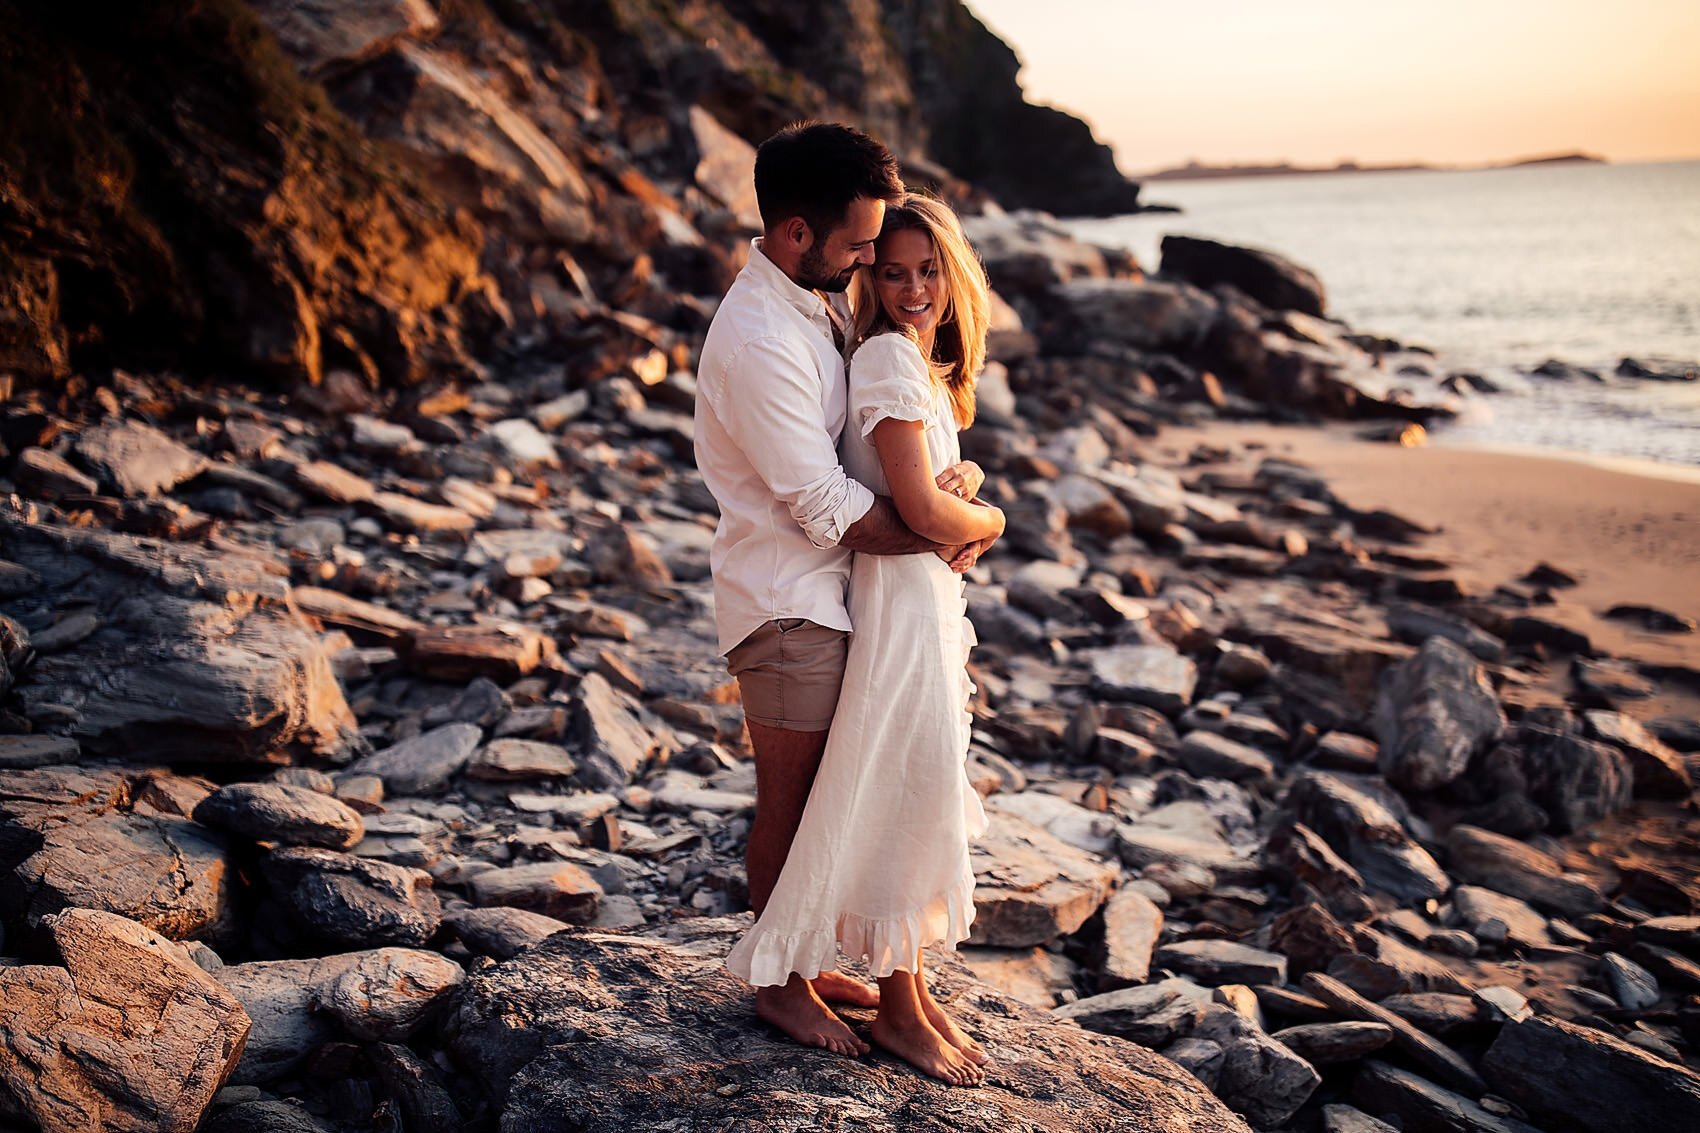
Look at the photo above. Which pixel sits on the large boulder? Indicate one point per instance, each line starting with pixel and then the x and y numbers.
pixel 195 654
pixel 1272 280
pixel 1146 314
pixel 128 1035
pixel 598 1033
pixel 1574 780
pixel 1434 712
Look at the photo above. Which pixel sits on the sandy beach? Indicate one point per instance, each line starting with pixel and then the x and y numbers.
pixel 1628 531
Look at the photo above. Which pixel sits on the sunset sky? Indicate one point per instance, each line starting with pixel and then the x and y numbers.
pixel 1318 81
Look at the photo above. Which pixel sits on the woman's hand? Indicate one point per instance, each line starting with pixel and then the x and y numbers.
pixel 962 479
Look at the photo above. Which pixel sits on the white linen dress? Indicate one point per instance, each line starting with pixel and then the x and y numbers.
pixel 880 867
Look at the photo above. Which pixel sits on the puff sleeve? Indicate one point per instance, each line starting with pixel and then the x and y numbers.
pixel 889 378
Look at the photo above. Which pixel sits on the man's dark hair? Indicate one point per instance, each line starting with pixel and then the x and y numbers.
pixel 815 169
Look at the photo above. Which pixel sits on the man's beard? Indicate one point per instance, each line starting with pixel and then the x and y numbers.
pixel 814 275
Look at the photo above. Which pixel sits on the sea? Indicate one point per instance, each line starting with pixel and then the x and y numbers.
pixel 1495 271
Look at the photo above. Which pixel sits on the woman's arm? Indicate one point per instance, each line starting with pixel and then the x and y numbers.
pixel 929 510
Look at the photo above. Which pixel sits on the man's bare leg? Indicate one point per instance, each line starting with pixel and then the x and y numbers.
pixel 902 1028
pixel 786 763
pixel 945 1025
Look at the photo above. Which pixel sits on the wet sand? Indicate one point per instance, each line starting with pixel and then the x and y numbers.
pixel 1628 531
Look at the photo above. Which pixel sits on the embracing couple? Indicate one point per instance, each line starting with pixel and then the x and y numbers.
pixel 827 431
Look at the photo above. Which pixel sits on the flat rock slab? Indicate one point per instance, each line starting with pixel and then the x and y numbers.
pixel 1495 918
pixel 1580 1078
pixel 136 460
pixel 424 763
pixel 462 653
pixel 1207 754
pixel 197 659
pixel 612 742
pixel 1030 886
pixel 556 889
pixel 1326 1043
pixel 1154 675
pixel 1132 924
pixel 129 1035
pixel 1152 1015
pixel 598 1033
pixel 278 812
pixel 501 932
pixel 1508 866
pixel 1659 770
pixel 1421 1105
pixel 1223 962
pixel 66 845
pixel 509 760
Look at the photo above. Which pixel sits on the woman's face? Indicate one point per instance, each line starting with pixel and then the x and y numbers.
pixel 909 280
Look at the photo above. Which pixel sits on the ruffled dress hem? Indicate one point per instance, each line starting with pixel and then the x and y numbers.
pixel 766 959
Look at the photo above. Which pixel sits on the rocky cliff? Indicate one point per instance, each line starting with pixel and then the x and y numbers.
pixel 400 188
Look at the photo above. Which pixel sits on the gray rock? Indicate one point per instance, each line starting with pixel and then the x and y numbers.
pixel 1152 1016
pixel 1658 769
pixel 1201 1058
pixel 199 658
pixel 1223 961
pixel 425 763
pixel 1323 1044
pixel 1511 867
pixel 1577 781
pixel 42 474
pixel 1209 755
pixel 501 932
pixel 1633 986
pixel 1345 1119
pixel 514 759
pixel 1132 924
pixel 1494 917
pixel 1274 281
pixel 1297 853
pixel 1367 835
pixel 613 744
pixel 136 460
pixel 1260 1078
pixel 1439 1012
pixel 349 902
pixel 1030 887
pixel 1434 712
pixel 1606 1084
pixel 260 1115
pixel 281 997
pixel 278 812
pixel 1421 1105
pixel 555 889
pixel 128 1035
pixel 18 752
pixel 1154 675
pixel 583 1023
pixel 389 993
pixel 1147 314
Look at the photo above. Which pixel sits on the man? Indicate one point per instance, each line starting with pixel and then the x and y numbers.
pixel 771 404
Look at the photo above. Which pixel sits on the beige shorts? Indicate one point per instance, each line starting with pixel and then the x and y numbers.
pixel 789 672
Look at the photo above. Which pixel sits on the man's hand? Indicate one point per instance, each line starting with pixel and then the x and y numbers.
pixel 962 479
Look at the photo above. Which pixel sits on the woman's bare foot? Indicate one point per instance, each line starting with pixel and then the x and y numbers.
pixel 836 987
pixel 799 1012
pixel 946 1026
pixel 915 1041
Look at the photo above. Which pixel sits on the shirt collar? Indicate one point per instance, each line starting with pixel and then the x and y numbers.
pixel 824 313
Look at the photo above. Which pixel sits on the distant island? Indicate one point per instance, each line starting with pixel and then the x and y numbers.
pixel 1197 171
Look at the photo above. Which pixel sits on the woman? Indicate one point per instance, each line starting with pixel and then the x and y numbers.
pixel 879 866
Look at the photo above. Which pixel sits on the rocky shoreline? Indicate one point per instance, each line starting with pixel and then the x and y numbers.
pixel 400 716
pixel 366 763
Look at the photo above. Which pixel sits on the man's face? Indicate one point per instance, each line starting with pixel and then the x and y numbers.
pixel 830 264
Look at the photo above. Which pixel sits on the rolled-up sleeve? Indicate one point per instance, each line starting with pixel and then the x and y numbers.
pixel 770 403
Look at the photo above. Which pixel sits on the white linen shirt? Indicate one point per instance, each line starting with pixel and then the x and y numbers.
pixel 771 403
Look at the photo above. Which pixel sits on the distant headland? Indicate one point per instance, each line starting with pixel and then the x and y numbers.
pixel 1197 171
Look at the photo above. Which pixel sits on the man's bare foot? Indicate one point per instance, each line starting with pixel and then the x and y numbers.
pixel 799 1012
pixel 951 1033
pixel 916 1042
pixel 836 987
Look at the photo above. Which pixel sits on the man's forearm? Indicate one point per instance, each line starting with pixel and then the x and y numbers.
pixel 882 532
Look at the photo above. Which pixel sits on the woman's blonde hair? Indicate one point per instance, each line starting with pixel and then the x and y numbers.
pixel 959 344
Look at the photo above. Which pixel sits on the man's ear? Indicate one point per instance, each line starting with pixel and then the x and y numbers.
pixel 797 234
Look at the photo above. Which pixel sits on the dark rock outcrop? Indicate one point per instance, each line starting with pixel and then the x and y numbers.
pixel 558 1020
